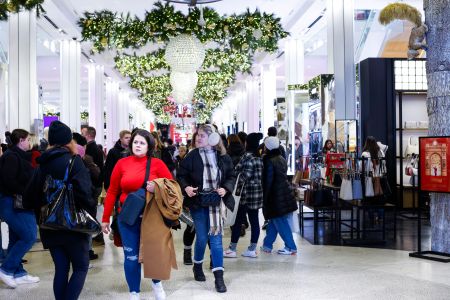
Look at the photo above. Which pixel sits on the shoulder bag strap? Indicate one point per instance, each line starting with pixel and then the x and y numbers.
pixel 69 168
pixel 147 172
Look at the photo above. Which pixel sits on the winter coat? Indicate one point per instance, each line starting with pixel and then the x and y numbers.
pixel 165 155
pixel 116 153
pixel 97 154
pixel 278 195
pixel 156 251
pixel 54 162
pixel 250 169
pixel 190 173
pixel 15 171
pixel 236 151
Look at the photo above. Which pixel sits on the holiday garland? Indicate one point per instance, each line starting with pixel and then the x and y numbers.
pixel 237 38
pixel 15 6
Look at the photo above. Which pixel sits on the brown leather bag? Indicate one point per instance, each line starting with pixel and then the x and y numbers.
pixel 377 189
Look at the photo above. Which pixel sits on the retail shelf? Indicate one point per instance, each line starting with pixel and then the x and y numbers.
pixel 411 129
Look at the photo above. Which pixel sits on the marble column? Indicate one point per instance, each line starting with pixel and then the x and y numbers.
pixel 112 108
pixel 70 52
pixel 268 96
pixel 341 56
pixel 97 101
pixel 23 106
pixel 3 100
pixel 254 105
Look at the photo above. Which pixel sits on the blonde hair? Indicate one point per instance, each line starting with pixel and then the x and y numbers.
pixel 208 129
pixel 34 141
pixel 159 144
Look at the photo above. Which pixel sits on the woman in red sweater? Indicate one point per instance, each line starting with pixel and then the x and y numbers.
pixel 128 176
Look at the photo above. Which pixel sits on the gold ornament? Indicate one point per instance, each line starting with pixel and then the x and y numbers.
pixel 104 41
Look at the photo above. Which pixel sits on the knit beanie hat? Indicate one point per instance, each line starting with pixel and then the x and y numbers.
pixel 59 134
pixel 253 141
pixel 272 142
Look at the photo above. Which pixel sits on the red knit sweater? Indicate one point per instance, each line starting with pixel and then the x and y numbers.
pixel 128 176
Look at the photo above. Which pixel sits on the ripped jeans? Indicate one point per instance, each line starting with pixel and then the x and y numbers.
pixel 130 239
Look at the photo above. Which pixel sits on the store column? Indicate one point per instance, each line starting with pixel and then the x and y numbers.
pixel 70 52
pixel 341 57
pixel 112 122
pixel 268 96
pixel 96 101
pixel 294 62
pixel 23 108
pixel 3 101
pixel 253 105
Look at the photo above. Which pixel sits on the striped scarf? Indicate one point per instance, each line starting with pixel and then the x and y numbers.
pixel 211 179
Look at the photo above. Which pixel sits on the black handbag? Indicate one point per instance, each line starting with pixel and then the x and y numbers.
pixel 209 198
pixel 61 212
pixel 134 204
pixel 322 197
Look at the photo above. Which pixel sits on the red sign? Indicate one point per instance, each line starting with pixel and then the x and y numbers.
pixel 434 155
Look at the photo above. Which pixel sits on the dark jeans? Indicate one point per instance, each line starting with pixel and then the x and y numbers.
pixel 22 235
pixel 131 236
pixel 188 236
pixel 242 213
pixel 63 256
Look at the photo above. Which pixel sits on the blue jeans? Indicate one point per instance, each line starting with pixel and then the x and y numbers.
pixel 201 223
pixel 280 226
pixel 131 236
pixel 22 235
pixel 76 254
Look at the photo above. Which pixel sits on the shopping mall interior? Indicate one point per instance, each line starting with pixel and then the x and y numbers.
pixel 319 71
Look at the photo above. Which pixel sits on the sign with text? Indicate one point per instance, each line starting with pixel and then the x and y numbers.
pixel 434 156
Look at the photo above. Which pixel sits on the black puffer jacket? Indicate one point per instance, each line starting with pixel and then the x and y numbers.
pixel 190 173
pixel 94 151
pixel 235 151
pixel 54 162
pixel 15 171
pixel 116 153
pixel 278 196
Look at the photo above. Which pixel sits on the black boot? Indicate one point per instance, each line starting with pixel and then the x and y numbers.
pixel 220 284
pixel 198 272
pixel 187 257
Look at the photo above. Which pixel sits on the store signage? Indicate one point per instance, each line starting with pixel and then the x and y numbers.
pixel 434 155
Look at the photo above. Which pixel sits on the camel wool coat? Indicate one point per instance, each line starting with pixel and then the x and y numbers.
pixel 157 252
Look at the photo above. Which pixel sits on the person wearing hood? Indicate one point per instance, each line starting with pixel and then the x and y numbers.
pixel 66 247
pixel 15 173
pixel 235 148
pixel 120 150
pixel 250 169
pixel 278 199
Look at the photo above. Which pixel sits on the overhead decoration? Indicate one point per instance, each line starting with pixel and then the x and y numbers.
pixel 402 11
pixel 230 42
pixel 185 55
pixel 15 6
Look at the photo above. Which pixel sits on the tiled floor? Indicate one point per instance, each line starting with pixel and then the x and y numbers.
pixel 317 272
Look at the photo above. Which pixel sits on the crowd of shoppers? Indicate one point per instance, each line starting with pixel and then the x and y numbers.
pixel 207 170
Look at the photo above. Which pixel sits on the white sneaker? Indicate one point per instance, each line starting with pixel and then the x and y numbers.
pixel 8 280
pixel 134 296
pixel 91 266
pixel 158 290
pixel 27 279
pixel 249 253
pixel 229 253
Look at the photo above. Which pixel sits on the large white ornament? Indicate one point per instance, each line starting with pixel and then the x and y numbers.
pixel 183 86
pixel 185 53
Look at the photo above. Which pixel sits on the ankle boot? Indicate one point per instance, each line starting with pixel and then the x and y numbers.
pixel 198 272
pixel 220 284
pixel 187 257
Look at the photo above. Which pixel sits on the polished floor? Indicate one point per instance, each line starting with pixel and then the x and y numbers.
pixel 317 272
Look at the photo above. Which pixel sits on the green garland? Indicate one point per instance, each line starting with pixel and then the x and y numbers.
pixel 237 36
pixel 15 6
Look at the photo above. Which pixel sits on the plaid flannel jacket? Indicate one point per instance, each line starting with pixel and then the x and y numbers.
pixel 250 169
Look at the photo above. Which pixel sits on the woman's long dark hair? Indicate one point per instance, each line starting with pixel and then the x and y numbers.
pixel 148 137
pixel 372 147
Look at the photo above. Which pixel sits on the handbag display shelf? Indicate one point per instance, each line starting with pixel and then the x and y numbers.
pixel 375 173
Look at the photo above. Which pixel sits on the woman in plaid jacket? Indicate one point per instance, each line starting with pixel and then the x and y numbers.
pixel 250 169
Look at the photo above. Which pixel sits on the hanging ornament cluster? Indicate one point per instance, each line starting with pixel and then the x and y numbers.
pixel 185 55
